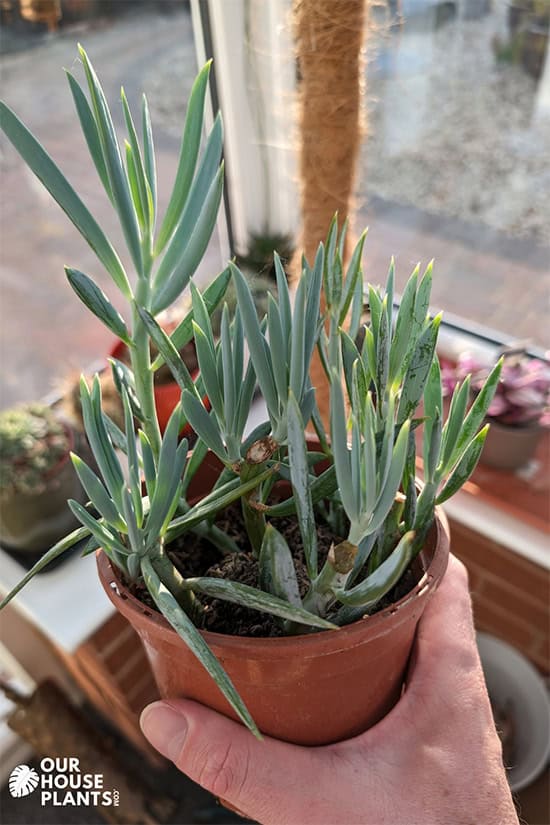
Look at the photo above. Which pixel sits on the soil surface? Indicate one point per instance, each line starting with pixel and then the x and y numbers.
pixel 194 556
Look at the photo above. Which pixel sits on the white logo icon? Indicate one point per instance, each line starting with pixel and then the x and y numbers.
pixel 23 781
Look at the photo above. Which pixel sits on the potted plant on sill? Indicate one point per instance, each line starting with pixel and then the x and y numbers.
pixel 331 539
pixel 519 411
pixel 36 479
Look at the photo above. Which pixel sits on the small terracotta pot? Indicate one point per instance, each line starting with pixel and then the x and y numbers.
pixel 312 689
pixel 509 448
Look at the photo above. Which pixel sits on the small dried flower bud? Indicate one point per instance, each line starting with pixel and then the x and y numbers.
pixel 342 556
pixel 261 450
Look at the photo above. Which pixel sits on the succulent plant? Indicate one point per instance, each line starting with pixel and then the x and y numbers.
pixel 522 395
pixel 32 443
pixel 368 489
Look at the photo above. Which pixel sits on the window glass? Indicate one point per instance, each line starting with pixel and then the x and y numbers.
pixel 457 161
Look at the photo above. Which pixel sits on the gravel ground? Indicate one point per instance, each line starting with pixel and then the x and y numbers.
pixel 455 132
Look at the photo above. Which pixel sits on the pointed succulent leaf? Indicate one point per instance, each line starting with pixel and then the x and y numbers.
pixel 149 151
pixel 97 302
pixel 38 160
pixel 168 351
pixel 369 592
pixel 187 159
pixel 113 162
pixel 217 500
pixel 393 481
pixel 455 421
pixel 192 253
pixel 417 373
pixel 97 493
pixel 255 599
pixel 354 273
pixel 198 193
pixel 256 342
pixel 465 466
pixel 144 190
pixel 203 424
pixel 402 336
pixel 299 476
pixel 212 296
pixel 277 571
pixel 50 555
pixel 478 411
pixel 90 131
pixel 185 628
pixel 107 539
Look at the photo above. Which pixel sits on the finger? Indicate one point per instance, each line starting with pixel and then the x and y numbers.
pixel 270 781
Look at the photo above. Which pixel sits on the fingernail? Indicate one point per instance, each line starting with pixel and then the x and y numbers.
pixel 165 728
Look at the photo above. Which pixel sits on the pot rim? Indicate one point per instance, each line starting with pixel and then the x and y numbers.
pixel 315 643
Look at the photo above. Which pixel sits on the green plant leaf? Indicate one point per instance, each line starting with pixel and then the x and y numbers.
pixel 211 296
pixel 98 303
pixel 189 151
pixel 132 174
pixel 50 555
pixel 123 378
pixel 455 420
pixel 369 592
pixel 255 599
pixel 299 476
pixel 97 493
pixel 113 162
pixel 103 535
pixel 277 572
pixel 149 467
pixel 38 160
pixel 185 628
pixel 465 466
pixel 135 535
pixel 99 441
pixel 218 499
pixel 209 373
pixel 168 351
pixel 478 411
pixel 354 273
pixel 143 187
pixel 395 474
pixel 168 466
pixel 202 423
pixel 90 131
pixel 133 460
pixel 192 253
pixel 417 373
pixel 340 450
pixel 149 151
pixel 198 193
pixel 256 342
pixel 402 336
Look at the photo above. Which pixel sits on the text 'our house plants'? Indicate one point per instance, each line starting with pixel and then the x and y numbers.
pixel 331 538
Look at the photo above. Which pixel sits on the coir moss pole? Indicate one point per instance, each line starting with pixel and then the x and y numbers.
pixel 329 39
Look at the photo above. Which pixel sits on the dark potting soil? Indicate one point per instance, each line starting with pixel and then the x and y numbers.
pixel 194 556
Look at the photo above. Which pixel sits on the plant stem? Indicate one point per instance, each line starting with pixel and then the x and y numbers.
pixel 141 366
pixel 173 580
pixel 254 464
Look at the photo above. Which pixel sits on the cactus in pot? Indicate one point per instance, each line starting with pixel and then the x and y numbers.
pixel 355 483
pixel 36 478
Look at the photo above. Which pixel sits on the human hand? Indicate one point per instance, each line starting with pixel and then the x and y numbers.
pixel 435 759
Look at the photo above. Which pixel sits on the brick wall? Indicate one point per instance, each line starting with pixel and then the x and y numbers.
pixel 511 594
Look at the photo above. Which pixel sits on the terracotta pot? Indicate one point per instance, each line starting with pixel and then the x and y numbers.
pixel 509 448
pixel 312 689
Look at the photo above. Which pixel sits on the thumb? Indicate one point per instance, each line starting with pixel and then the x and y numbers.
pixel 268 780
